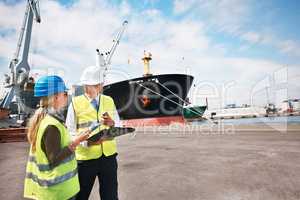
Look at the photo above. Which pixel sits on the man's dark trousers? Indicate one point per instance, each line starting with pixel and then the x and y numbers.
pixel 105 168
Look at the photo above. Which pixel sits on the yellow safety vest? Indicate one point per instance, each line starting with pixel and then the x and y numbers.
pixel 85 114
pixel 43 182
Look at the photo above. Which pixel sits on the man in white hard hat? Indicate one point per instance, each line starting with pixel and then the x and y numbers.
pixel 96 159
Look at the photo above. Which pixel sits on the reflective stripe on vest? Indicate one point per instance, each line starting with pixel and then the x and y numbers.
pixel 51 182
pixel 47 167
pixel 44 182
pixel 86 114
pixel 84 125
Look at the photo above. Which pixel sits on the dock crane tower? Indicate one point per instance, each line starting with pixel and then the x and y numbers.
pixel 103 60
pixel 19 68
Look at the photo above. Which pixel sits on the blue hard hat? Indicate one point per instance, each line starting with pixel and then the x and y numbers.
pixel 48 86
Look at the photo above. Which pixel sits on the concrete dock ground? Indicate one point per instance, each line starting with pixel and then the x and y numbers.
pixel 176 162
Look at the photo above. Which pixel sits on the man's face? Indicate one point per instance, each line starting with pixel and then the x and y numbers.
pixel 93 90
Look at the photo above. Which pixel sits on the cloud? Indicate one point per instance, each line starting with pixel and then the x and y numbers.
pixel 125 8
pixel 236 18
pixel 226 16
pixel 251 37
pixel 229 16
pixel 181 6
pixel 287 47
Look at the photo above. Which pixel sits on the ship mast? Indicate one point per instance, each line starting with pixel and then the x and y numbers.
pixel 146 59
pixel 19 70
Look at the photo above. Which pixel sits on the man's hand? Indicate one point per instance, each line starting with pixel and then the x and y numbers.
pixel 107 120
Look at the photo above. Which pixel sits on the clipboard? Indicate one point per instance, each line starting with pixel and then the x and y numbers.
pixel 111 133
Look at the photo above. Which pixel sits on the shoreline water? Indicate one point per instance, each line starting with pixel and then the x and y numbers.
pixel 256 120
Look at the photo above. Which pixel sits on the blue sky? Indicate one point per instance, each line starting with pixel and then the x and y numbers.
pixel 242 42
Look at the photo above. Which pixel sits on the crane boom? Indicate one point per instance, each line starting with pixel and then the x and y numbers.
pixel 19 44
pixel 104 60
pixel 20 69
pixel 115 43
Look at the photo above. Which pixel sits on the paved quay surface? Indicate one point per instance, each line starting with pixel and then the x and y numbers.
pixel 161 163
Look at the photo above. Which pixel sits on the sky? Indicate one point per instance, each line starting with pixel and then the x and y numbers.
pixel 239 51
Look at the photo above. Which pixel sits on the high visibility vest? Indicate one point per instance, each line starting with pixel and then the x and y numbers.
pixel 44 182
pixel 85 114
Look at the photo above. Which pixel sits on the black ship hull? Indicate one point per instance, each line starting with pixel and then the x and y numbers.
pixel 151 96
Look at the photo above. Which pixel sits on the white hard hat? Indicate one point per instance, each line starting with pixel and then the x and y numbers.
pixel 92 75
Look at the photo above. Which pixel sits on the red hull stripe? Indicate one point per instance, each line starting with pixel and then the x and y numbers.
pixel 156 121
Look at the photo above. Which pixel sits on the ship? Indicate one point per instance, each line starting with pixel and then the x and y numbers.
pixel 149 99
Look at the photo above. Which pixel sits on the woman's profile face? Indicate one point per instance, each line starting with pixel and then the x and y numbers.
pixel 61 99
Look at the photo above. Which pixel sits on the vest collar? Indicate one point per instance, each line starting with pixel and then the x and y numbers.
pixel 57 114
pixel 90 99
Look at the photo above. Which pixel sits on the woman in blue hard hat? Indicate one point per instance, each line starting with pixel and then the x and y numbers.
pixel 51 171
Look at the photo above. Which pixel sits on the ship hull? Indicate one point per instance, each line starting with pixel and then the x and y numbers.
pixel 157 96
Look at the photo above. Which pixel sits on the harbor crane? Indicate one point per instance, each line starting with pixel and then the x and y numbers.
pixel 103 60
pixel 19 68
